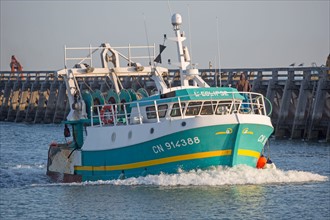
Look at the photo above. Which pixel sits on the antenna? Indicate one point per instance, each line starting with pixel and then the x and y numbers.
pixel 169 7
pixel 219 67
pixel 191 54
pixel 145 29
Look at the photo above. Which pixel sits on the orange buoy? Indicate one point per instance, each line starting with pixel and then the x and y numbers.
pixel 261 162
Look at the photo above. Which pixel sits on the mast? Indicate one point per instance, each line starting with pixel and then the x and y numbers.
pixel 179 38
pixel 184 57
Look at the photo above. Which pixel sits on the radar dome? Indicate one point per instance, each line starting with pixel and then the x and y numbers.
pixel 176 19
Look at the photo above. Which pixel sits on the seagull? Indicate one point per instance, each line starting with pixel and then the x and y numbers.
pixel 301 64
pixel 292 64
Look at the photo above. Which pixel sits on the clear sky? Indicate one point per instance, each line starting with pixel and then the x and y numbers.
pixel 251 33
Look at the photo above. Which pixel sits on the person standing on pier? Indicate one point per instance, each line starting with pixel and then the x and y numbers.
pixel 15 66
pixel 243 85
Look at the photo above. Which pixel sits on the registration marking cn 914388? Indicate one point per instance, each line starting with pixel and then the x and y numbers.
pixel 170 145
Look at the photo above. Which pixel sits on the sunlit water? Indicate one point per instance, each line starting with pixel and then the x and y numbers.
pixel 298 189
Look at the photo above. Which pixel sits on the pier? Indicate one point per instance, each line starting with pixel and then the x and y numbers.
pixel 300 96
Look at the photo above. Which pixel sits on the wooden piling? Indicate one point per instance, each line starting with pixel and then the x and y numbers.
pixel 61 104
pixel 14 100
pixel 24 101
pixel 33 103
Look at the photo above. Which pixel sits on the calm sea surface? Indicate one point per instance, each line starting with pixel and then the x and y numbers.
pixel 298 189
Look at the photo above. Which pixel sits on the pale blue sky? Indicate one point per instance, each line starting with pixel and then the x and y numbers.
pixel 251 33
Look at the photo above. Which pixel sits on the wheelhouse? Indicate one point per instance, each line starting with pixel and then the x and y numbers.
pixel 179 105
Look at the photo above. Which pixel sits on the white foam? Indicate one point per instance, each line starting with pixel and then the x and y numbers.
pixel 218 176
pixel 28 166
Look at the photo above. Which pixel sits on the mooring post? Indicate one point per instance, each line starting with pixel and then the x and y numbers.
pixel 304 102
pixel 24 99
pixel 14 99
pixel 60 103
pixel 42 103
pixel 51 103
pixel 285 118
pixel 271 95
pixel 6 99
pixel 34 99
pixel 320 115
pixel 256 83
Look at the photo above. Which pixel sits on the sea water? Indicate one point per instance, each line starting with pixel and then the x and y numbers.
pixel 298 189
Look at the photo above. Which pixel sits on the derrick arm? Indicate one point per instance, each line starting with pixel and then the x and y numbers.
pixel 77 104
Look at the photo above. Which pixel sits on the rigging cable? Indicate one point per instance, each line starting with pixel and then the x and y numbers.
pixel 169 7
pixel 190 39
pixel 146 32
pixel 219 67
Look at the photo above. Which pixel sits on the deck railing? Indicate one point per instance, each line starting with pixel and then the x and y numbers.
pixel 77 55
pixel 176 108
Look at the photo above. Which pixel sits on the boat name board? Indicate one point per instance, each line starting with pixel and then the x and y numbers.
pixel 211 93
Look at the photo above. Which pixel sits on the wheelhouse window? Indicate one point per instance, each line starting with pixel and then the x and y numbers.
pixel 236 107
pixel 193 108
pixel 151 111
pixel 175 112
pixel 223 108
pixel 208 107
pixel 162 109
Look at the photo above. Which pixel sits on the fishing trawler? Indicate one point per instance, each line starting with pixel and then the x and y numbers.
pixel 126 133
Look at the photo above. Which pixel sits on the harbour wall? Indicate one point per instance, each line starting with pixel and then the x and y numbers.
pixel 300 96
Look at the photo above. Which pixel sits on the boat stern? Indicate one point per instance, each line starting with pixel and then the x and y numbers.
pixel 61 161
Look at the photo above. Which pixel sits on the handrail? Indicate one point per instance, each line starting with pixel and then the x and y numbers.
pixel 92 50
pixel 253 103
pixel 270 105
pixel 264 74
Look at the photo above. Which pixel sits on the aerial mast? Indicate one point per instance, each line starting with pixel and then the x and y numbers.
pixel 184 57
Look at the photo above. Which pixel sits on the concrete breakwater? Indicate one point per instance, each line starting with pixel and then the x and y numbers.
pixel 300 96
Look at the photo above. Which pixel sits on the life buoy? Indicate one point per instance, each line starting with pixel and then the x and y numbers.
pixel 106 114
